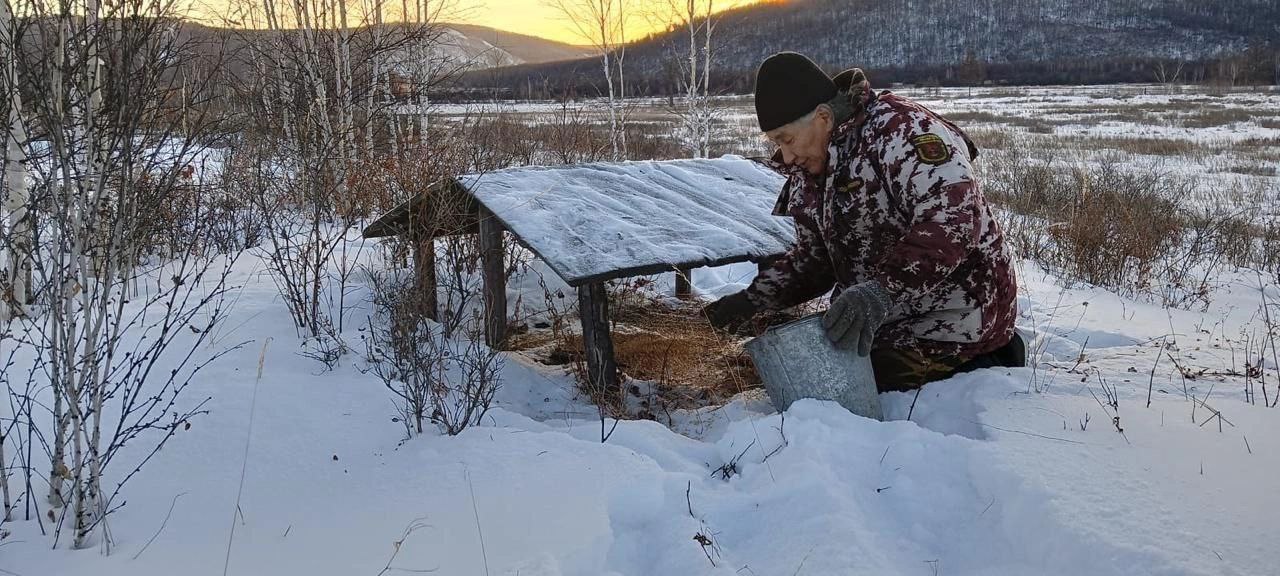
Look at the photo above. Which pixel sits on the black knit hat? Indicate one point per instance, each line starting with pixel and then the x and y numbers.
pixel 788 86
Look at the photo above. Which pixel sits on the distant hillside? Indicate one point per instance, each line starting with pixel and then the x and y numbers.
pixel 522 48
pixel 475 47
pixel 931 40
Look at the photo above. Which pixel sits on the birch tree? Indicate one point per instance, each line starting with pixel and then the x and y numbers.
pixel 15 224
pixel 308 141
pixel 121 113
pixel 602 24
pixel 708 27
pixel 695 19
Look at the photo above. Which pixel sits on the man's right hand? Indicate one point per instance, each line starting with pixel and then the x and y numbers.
pixel 731 312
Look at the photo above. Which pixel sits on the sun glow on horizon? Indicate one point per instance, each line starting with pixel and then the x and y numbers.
pixel 540 18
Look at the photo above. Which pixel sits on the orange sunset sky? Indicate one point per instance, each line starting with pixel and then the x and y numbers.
pixel 532 17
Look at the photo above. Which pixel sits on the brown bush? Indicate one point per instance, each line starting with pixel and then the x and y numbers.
pixel 1214 117
pixel 1109 226
pixel 1138 145
pixel 1259 142
pixel 1270 245
pixel 1262 150
pixel 573 137
pixel 990 138
pixel 1259 169
pixel 1118 225
pixel 1034 125
pixel 975 117
pixel 652 141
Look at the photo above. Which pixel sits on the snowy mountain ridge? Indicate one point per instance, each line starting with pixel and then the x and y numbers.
pixel 1012 41
pixel 915 32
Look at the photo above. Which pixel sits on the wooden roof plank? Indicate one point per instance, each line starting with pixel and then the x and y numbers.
pixel 602 221
pixel 597 222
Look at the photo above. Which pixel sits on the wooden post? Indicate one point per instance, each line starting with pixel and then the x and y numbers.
pixel 495 280
pixel 593 307
pixel 684 282
pixel 424 273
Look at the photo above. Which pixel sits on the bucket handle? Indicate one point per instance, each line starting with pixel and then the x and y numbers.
pixel 786 373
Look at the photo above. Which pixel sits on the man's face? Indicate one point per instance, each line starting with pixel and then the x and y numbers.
pixel 804 142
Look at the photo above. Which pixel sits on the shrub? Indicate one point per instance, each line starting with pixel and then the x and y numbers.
pixel 448 382
pixel 1120 227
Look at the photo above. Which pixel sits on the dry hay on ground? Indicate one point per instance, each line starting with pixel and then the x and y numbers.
pixel 671 345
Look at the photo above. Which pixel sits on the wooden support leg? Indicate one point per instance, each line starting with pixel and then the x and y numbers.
pixel 495 281
pixel 684 282
pixel 593 307
pixel 424 275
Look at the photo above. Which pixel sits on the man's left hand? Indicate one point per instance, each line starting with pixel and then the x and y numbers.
pixel 855 315
pixel 730 313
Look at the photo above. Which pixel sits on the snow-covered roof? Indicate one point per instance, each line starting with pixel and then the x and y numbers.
pixel 595 222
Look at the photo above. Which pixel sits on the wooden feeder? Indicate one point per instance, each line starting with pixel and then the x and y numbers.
pixel 594 223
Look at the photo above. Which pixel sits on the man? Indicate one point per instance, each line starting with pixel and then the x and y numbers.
pixel 889 216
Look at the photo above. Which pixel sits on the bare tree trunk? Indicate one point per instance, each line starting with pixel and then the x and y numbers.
pixel 18 280
pixel 613 110
pixel 691 89
pixel 4 477
pixel 695 112
pixel 97 184
pixel 394 121
pixel 61 344
pixel 622 77
pixel 96 200
pixel 705 149
pixel 418 82
pixel 13 191
pixel 375 74
pixel 605 47
pixel 16 197
pixel 601 22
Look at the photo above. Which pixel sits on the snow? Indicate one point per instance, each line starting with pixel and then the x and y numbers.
pixel 611 220
pixel 996 472
pixel 1225 135
pixel 990 476
pixel 1130 111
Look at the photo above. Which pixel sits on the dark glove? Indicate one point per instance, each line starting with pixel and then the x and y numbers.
pixel 855 315
pixel 731 312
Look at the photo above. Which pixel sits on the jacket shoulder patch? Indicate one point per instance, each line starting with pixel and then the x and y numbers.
pixel 930 149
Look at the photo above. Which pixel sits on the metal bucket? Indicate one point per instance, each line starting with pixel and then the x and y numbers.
pixel 796 360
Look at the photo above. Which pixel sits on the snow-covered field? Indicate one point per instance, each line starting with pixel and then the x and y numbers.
pixel 1215 135
pixel 1128 447
pixel 993 475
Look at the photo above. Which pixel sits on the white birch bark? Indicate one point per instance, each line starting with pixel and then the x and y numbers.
pixel 15 191
pixel 60 345
pixel 621 43
pixel 691 85
pixel 705 124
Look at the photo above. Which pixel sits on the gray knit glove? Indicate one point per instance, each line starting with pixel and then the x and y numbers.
pixel 855 315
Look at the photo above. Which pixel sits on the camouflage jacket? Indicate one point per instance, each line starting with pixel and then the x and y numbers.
pixel 899 204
